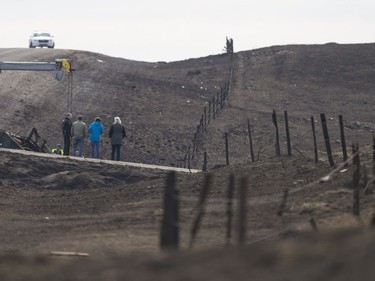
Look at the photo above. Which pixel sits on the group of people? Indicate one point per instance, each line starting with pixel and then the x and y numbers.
pixel 75 133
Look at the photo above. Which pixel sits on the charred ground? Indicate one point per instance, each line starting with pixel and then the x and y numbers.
pixel 113 211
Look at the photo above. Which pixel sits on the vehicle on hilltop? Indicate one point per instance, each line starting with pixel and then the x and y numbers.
pixel 41 39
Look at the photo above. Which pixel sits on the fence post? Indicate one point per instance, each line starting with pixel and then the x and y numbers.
pixel 313 225
pixel 213 107
pixel 201 123
pixel 326 139
pixel 343 142
pixel 187 156
pixel 204 169
pixel 289 146
pixel 205 119
pixel 250 141
pixel 169 238
pixel 195 147
pixel 314 138
pixel 209 111
pixel 226 149
pixel 277 145
pixel 229 208
pixel 228 88
pixel 198 128
pixel 356 179
pixel 217 101
pixel 221 97
pixel 200 208
pixel 229 46
pixel 373 154
pixel 242 212
pixel 190 157
pixel 195 142
pixel 281 208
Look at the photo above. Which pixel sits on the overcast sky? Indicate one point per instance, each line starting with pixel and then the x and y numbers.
pixel 171 30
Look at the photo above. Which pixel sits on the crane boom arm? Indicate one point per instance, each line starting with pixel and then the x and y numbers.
pixel 34 66
pixel 58 66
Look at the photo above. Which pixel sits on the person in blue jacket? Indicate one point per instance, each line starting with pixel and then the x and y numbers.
pixel 95 131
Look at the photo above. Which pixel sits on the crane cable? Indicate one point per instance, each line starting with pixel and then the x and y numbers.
pixel 70 92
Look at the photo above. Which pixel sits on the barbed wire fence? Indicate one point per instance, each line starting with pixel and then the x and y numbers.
pixel 361 182
pixel 254 145
pixel 210 112
pixel 236 212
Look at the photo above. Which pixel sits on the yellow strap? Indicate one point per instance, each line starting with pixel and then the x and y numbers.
pixel 66 65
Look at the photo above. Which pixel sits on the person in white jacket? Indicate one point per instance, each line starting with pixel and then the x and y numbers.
pixel 117 134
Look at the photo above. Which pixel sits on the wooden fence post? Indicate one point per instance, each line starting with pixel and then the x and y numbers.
pixel 326 139
pixel 190 158
pixel 242 212
pixel 213 107
pixel 314 138
pixel 195 147
pixel 221 98
pixel 226 149
pixel 204 169
pixel 226 91
pixel 195 142
pixel 277 145
pixel 187 156
pixel 229 208
pixel 205 119
pixel 356 179
pixel 169 238
pixel 343 142
pixel 281 208
pixel 201 123
pixel 313 225
pixel 289 146
pixel 200 208
pixel 229 46
pixel 228 88
pixel 217 101
pixel 209 112
pixel 250 141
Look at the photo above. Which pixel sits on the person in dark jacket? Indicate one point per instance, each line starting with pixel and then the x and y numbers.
pixel 117 134
pixel 66 130
pixel 96 130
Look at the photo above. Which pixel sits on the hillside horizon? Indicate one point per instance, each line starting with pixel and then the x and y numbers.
pixel 161 103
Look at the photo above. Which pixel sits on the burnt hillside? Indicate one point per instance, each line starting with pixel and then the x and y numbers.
pixel 305 81
pixel 301 221
pixel 161 103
